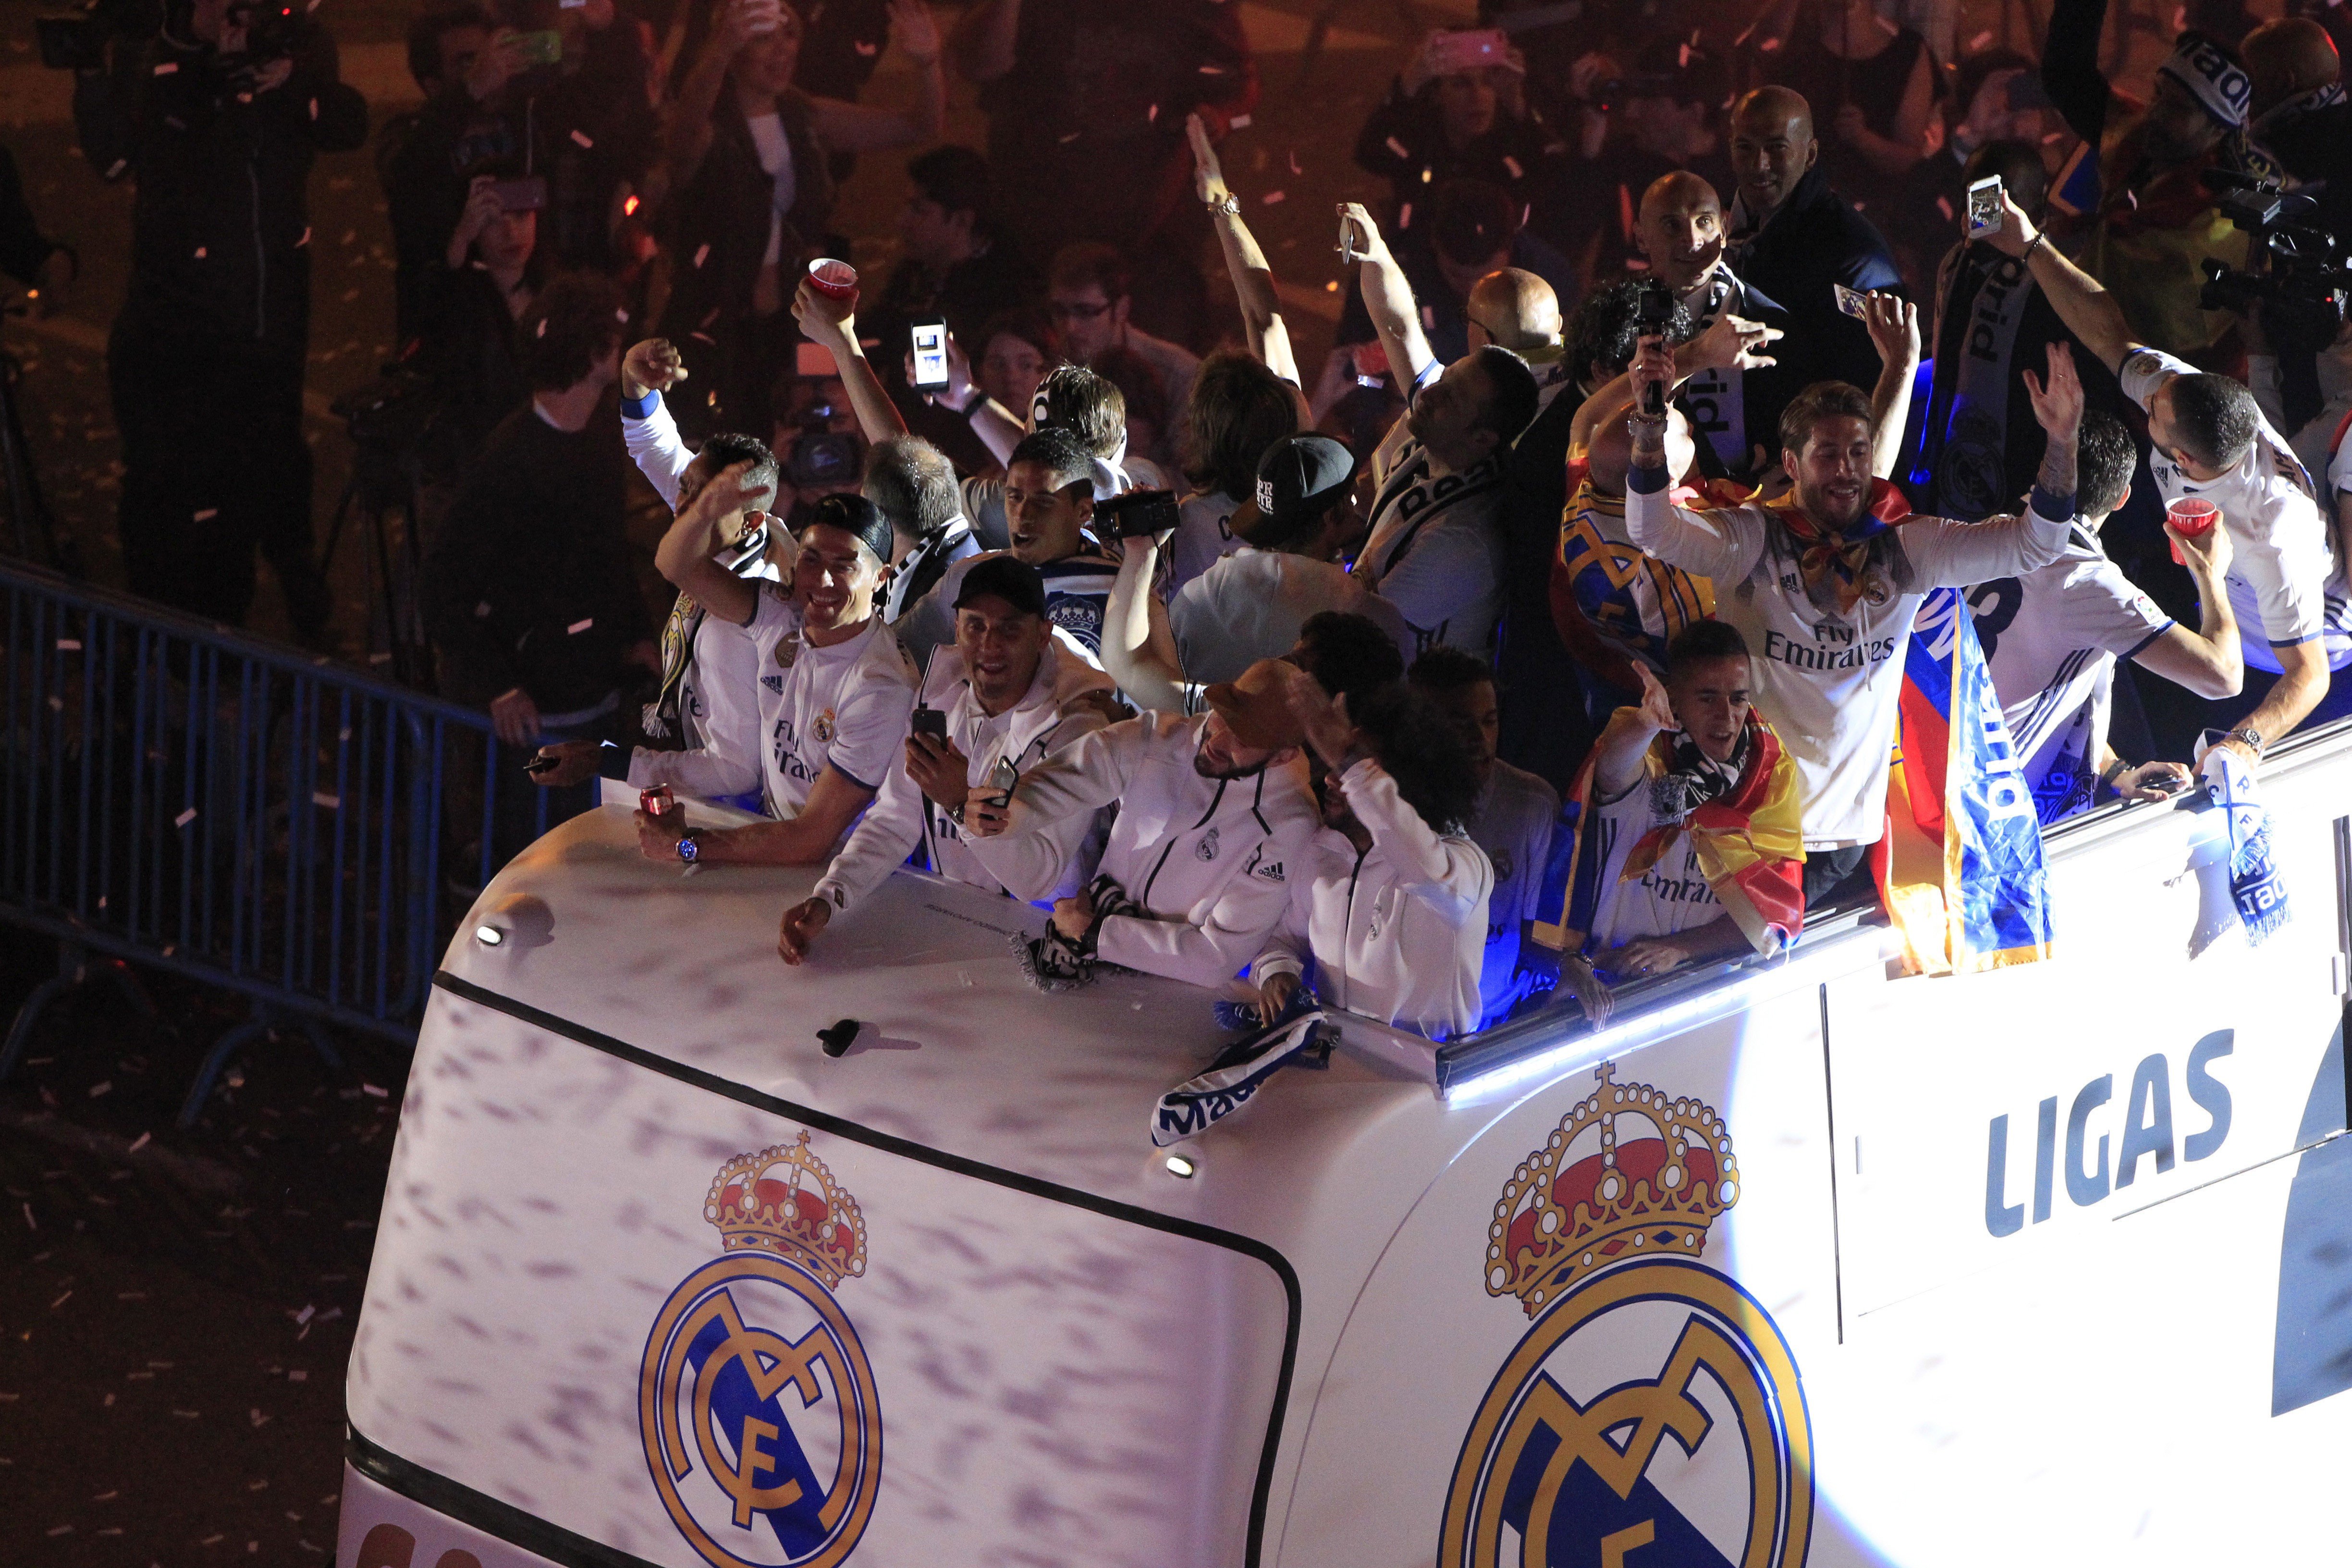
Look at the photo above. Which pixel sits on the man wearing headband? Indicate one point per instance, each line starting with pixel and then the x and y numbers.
pixel 835 687
pixel 2154 222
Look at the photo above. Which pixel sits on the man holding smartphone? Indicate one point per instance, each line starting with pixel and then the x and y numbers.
pixel 1002 698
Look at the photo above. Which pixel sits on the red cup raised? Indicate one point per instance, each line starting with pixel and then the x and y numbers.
pixel 2190 516
pixel 833 280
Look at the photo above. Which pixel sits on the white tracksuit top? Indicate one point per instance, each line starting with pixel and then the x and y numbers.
pixel 1829 683
pixel 1051 714
pixel 1398 933
pixel 1209 858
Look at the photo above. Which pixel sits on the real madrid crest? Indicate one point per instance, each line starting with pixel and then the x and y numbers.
pixel 1650 1388
pixel 1207 849
pixel 761 1425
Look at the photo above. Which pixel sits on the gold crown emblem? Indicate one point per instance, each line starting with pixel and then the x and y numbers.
pixel 1653 1187
pixel 783 1200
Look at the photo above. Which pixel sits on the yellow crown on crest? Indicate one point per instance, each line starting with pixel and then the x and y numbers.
pixel 1651 1188
pixel 783 1200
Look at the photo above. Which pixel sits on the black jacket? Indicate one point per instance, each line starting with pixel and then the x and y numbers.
pixel 1814 242
pixel 221 227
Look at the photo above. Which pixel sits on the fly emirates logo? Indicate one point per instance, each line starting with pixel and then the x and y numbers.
pixel 1833 647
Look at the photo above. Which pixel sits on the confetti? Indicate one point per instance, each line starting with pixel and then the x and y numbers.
pixel 106 1497
pixel 1293 163
pixel 306 1314
pixel 69 645
pixel 1980 40
pixel 1152 114
pixel 1405 216
pixel 169 67
pixel 583 138
pixel 298 1375
pixel 1944 205
pixel 1428 319
pixel 1271 197
pixel 61 1300
pixel 30 1224
pixel 1399 148
pixel 372 1090
pixel 1238 122
pixel 200 253
pixel 97 1089
pixel 256 1417
pixel 702 254
pixel 191 1415
pixel 1513 165
pixel 320 797
pixel 576 627
pixel 207 513
pixel 185 817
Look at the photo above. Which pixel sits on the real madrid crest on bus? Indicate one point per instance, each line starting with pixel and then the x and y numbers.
pixel 1651 1413
pixel 761 1425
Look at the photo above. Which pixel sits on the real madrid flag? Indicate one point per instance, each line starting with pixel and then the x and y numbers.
pixel 1963 875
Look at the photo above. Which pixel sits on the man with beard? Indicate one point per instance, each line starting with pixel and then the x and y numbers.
pixel 835 687
pixel 1010 696
pixel 1823 583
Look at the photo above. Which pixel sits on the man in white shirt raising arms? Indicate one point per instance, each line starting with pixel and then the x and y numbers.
pixel 1435 551
pixel 2051 637
pixel 2211 440
pixel 1006 691
pixel 835 687
pixel 1823 583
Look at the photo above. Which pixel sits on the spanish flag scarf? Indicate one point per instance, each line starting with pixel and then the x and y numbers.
pixel 1836 566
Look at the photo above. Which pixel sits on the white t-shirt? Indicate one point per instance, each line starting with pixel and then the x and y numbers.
pixel 1250 605
pixel 2286 584
pixel 1204 537
pixel 2050 640
pixel 1830 682
pixel 775 150
pixel 1672 895
pixel 843 707
pixel 1513 824
pixel 1436 547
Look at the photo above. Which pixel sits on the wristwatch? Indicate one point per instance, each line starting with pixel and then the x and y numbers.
pixel 689 850
pixel 1231 205
pixel 2250 735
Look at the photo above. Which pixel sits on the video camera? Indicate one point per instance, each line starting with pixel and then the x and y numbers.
pixel 2296 275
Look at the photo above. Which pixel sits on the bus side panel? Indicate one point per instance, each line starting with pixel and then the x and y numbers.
pixel 1453 1419
pixel 555 1320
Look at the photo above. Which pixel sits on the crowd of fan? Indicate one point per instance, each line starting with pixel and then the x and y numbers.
pixel 1254 669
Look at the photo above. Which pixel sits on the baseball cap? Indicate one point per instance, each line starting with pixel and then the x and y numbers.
pixel 1256 707
pixel 1297 479
pixel 853 515
pixel 1006 577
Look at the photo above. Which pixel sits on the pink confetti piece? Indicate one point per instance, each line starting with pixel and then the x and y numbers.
pixel 702 254
pixel 371 1089
pixel 322 799
pixel 1271 197
pixel 61 1300
pixel 208 514
pixel 582 137
pixel 1513 165
pixel 1293 163
pixel 1151 115
pixel 69 645
pixel 576 627
pixel 1428 319
pixel 200 253
pixel 1944 205
pixel 1238 122
pixel 97 1089
pixel 169 67
pixel 1405 216
pixel 185 817
pixel 1980 40
pixel 1399 148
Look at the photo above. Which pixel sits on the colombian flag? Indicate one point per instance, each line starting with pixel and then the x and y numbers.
pixel 1962 876
pixel 1749 841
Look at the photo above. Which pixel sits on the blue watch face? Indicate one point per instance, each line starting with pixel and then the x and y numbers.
pixel 688 849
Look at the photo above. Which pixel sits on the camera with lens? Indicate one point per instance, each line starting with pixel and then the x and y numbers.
pixel 2295 273
pixel 824 458
pixel 76 39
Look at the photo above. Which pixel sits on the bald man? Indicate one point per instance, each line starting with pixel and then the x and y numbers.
pixel 1797 240
pixel 1681 231
pixel 2299 116
pixel 1514 309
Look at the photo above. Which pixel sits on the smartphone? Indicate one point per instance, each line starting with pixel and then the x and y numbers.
pixel 539 49
pixel 1002 778
pixel 1470 49
pixel 932 722
pixel 931 341
pixel 538 766
pixel 1852 302
pixel 526 195
pixel 1984 207
pixel 1140 513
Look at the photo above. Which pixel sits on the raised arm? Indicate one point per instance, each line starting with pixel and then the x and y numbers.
pixel 848 127
pixel 649 369
pixel 984 38
pixel 1624 742
pixel 2089 312
pixel 1246 263
pixel 1954 554
pixel 2209 661
pixel 1707 544
pixel 2070 68
pixel 1388 298
pixel 1729 343
pixel 833 324
pixel 1138 650
pixel 1894 325
pixel 686 553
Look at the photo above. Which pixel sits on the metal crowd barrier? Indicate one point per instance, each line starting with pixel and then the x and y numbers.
pixel 176 796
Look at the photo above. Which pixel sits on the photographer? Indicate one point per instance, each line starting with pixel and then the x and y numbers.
pixel 217 119
pixel 468 302
pixel 1003 695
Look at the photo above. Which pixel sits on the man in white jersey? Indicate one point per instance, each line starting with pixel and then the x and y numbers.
pixel 2051 637
pixel 835 687
pixel 1008 692
pixel 2210 441
pixel 709 701
pixel 1511 820
pixel 1435 551
pixel 1824 585
pixel 1049 496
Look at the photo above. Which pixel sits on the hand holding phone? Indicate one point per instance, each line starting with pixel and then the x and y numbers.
pixel 1984 207
pixel 929 337
pixel 931 723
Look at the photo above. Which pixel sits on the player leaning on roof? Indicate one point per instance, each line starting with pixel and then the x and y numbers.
pixel 1009 691
pixel 2211 440
pixel 835 688
pixel 1825 582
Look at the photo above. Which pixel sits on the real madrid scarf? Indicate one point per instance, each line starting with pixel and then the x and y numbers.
pixel 661 719
pixel 1840 569
pixel 1715 400
pixel 1413 494
pixel 1970 414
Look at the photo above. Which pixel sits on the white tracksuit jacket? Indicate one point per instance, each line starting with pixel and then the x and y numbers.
pixel 1051 713
pixel 1398 933
pixel 1209 858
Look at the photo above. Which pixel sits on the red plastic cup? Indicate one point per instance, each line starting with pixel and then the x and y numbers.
pixel 833 280
pixel 2190 516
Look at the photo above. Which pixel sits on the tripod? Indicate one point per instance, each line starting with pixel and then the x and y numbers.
pixel 381 496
